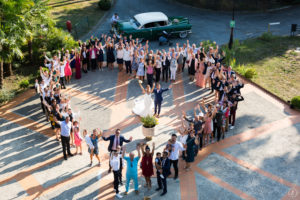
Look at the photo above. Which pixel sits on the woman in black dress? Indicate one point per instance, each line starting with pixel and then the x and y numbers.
pixel 110 55
pixel 84 58
pixel 100 55
pixel 192 67
pixel 191 142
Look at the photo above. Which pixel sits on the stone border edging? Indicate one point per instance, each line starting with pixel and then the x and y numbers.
pixel 88 35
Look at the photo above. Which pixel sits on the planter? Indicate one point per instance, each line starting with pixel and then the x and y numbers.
pixel 148 132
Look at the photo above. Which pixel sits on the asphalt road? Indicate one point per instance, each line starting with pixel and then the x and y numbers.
pixel 207 24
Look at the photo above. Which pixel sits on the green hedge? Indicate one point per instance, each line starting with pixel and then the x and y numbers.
pixel 104 4
pixel 296 102
pixel 24 84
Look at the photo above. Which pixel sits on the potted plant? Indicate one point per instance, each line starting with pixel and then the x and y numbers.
pixel 148 128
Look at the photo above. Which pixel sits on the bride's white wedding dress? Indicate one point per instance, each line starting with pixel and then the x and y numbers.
pixel 143 105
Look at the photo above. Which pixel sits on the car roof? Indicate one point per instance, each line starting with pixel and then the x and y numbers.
pixel 148 17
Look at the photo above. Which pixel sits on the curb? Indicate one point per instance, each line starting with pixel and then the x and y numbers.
pixel 88 35
pixel 265 90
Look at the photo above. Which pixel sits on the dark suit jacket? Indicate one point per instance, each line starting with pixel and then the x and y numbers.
pixel 166 167
pixel 158 94
pixel 111 140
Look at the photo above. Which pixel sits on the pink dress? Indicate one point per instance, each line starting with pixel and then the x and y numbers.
pixel 200 79
pixel 68 71
pixel 207 126
pixel 77 139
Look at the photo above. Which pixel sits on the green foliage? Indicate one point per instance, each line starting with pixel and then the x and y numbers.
pixel 104 4
pixel 250 73
pixel 6 95
pixel 296 102
pixel 240 69
pixel 207 43
pixel 267 37
pixel 24 84
pixel 149 121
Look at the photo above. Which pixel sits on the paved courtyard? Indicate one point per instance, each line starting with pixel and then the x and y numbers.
pixel 259 159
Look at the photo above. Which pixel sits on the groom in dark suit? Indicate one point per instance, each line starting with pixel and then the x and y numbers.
pixel 158 98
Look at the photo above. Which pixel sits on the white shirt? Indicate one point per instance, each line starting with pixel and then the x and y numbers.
pixel 88 141
pixel 65 128
pixel 115 162
pixel 126 56
pixel 175 150
pixel 93 56
pixel 62 70
pixel 183 139
pixel 120 54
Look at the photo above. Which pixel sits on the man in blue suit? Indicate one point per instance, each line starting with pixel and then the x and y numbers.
pixel 115 140
pixel 164 172
pixel 158 98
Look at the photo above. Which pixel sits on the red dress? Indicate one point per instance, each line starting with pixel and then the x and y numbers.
pixel 77 67
pixel 147 165
pixel 68 71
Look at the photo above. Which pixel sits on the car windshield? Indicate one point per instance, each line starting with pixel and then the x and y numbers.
pixel 135 22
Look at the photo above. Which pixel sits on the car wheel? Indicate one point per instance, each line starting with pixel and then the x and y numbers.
pixel 183 34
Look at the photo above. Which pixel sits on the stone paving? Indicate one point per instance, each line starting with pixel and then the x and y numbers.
pixel 259 159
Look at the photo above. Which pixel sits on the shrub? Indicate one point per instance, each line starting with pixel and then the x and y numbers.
pixel 6 95
pixel 267 36
pixel 241 69
pixel 250 73
pixel 104 4
pixel 149 121
pixel 296 102
pixel 24 84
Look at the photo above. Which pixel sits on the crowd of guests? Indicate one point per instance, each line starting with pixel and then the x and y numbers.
pixel 208 124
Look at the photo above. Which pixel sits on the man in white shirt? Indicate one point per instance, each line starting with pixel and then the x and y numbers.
pixel 116 165
pixel 127 57
pixel 62 75
pixel 174 154
pixel 65 128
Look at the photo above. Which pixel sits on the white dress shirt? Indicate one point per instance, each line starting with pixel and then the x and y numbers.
pixel 65 128
pixel 126 56
pixel 175 150
pixel 115 162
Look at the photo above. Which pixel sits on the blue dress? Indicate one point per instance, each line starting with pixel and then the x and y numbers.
pixel 135 64
pixel 141 71
pixel 95 143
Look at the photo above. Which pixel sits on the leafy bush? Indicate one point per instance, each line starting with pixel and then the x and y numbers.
pixel 241 69
pixel 24 84
pixel 250 73
pixel 104 4
pixel 296 102
pixel 6 95
pixel 267 36
pixel 149 121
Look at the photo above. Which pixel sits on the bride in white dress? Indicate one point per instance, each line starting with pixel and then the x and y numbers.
pixel 144 105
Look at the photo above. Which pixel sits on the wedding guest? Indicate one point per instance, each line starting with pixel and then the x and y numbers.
pixel 165 171
pixel 115 140
pixel 95 152
pixel 132 170
pixel 116 165
pixel 174 154
pixel 147 165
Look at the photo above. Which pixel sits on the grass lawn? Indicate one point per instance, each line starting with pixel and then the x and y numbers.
pixel 77 11
pixel 276 61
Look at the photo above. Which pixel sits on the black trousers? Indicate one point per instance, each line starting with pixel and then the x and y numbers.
pixel 116 181
pixel 128 66
pixel 217 129
pixel 212 85
pixel 166 73
pixel 184 60
pixel 150 79
pixel 120 170
pixel 159 182
pixel 157 76
pixel 94 64
pixel 62 82
pixel 175 165
pixel 200 141
pixel 65 141
pixel 157 107
pixel 42 105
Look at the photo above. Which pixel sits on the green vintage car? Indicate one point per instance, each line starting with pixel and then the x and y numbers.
pixel 150 25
